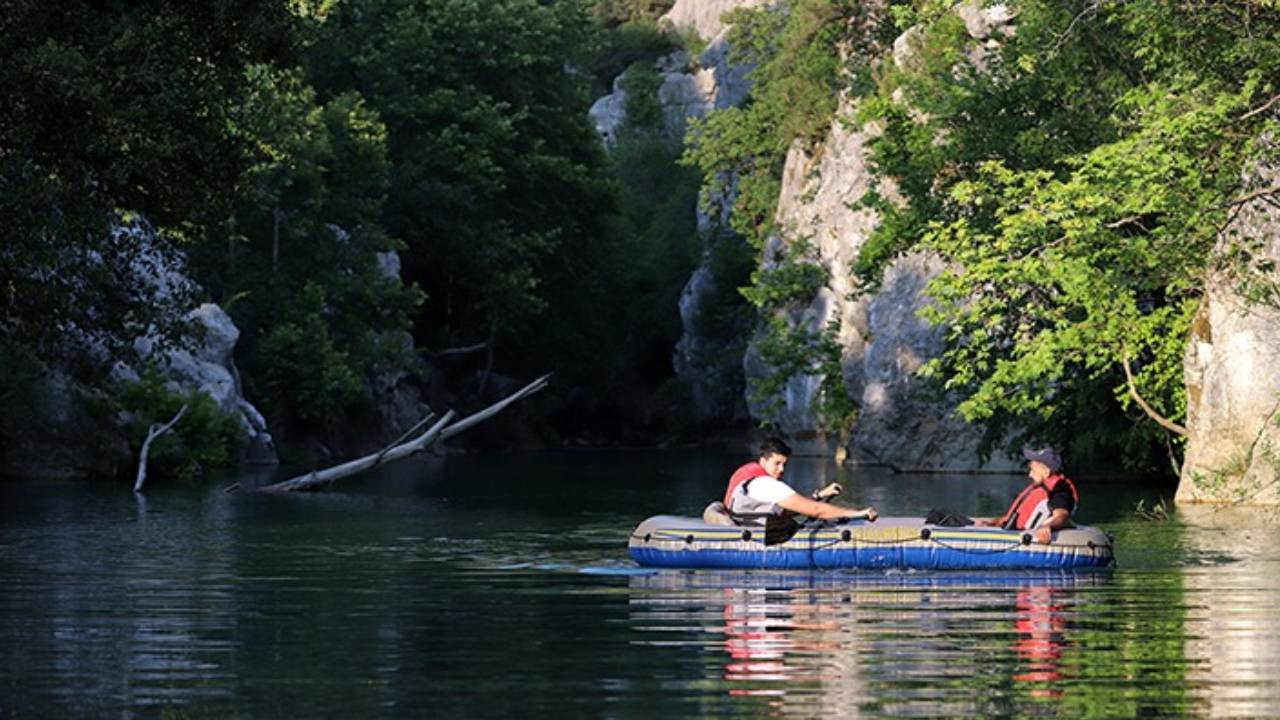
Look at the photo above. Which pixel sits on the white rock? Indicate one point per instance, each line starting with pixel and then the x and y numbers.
pixel 1232 375
pixel 704 16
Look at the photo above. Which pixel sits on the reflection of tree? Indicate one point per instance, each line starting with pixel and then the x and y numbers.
pixel 1126 654
pixel 943 644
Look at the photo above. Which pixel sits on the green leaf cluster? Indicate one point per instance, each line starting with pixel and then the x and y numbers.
pixel 792 350
pixel 497 184
pixel 204 439
pixel 656 241
pixel 643 106
pixel 298 263
pixel 793 278
pixel 1079 180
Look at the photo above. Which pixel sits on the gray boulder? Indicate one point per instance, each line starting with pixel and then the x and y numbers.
pixel 209 368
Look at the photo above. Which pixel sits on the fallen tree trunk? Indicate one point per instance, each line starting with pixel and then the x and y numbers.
pixel 441 430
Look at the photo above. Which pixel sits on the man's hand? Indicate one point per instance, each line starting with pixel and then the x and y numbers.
pixel 827 492
pixel 1043 534
pixel 871 514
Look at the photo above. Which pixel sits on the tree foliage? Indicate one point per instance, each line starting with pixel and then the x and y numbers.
pixel 204 439
pixel 1080 179
pixel 113 109
pixel 299 266
pixel 497 186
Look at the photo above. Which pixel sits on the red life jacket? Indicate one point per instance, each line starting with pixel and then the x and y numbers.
pixel 750 471
pixel 1031 507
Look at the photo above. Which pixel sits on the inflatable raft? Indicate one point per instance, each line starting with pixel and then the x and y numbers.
pixel 889 542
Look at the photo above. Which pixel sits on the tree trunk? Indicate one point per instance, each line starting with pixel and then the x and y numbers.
pixel 441 430
pixel 152 433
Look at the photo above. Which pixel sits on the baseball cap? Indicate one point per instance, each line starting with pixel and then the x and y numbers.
pixel 1046 455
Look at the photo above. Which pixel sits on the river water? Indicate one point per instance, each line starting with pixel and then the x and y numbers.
pixel 500 586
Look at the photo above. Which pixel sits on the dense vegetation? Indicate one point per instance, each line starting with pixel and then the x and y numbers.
pixel 278 151
pixel 1079 174
pixel 1081 178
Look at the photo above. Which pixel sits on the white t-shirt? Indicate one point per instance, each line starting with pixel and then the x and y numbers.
pixel 768 490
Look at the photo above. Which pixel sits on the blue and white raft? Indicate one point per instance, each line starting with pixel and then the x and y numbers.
pixel 889 542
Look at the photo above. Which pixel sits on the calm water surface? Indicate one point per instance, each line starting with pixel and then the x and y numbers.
pixel 500 586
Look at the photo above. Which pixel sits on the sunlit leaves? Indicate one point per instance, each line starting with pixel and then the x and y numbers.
pixel 1080 188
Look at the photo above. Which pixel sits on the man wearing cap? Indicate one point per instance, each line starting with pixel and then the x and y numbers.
pixel 1046 504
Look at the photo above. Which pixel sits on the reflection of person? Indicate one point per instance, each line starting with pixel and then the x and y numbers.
pixel 756 488
pixel 1040 628
pixel 769 636
pixel 1046 504
pixel 757 641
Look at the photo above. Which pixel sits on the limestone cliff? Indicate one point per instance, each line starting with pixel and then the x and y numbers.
pixel 884 342
pixel 691 88
pixel 1232 370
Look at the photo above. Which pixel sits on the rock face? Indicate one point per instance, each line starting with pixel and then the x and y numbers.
pixel 702 362
pixel 70 437
pixel 714 82
pixel 210 369
pixel 1232 371
pixel 704 16
pixel 884 342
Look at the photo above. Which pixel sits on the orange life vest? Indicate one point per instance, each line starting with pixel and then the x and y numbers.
pixel 750 471
pixel 1031 507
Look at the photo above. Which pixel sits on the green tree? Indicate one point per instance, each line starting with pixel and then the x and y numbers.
pixel 204 439
pixel 656 227
pixel 497 182
pixel 1080 180
pixel 113 108
pixel 299 269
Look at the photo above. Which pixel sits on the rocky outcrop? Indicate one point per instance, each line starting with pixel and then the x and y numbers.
pixel 1232 371
pixel 689 89
pixel 884 341
pixel 706 363
pixel 69 435
pixel 705 17
pixel 209 368
pixel 609 112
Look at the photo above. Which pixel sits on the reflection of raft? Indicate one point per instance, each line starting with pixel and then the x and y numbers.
pixel 897 542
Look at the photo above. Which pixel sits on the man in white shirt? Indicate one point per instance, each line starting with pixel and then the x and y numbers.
pixel 756 488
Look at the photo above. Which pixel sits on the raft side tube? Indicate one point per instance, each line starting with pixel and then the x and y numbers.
pixel 670 541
